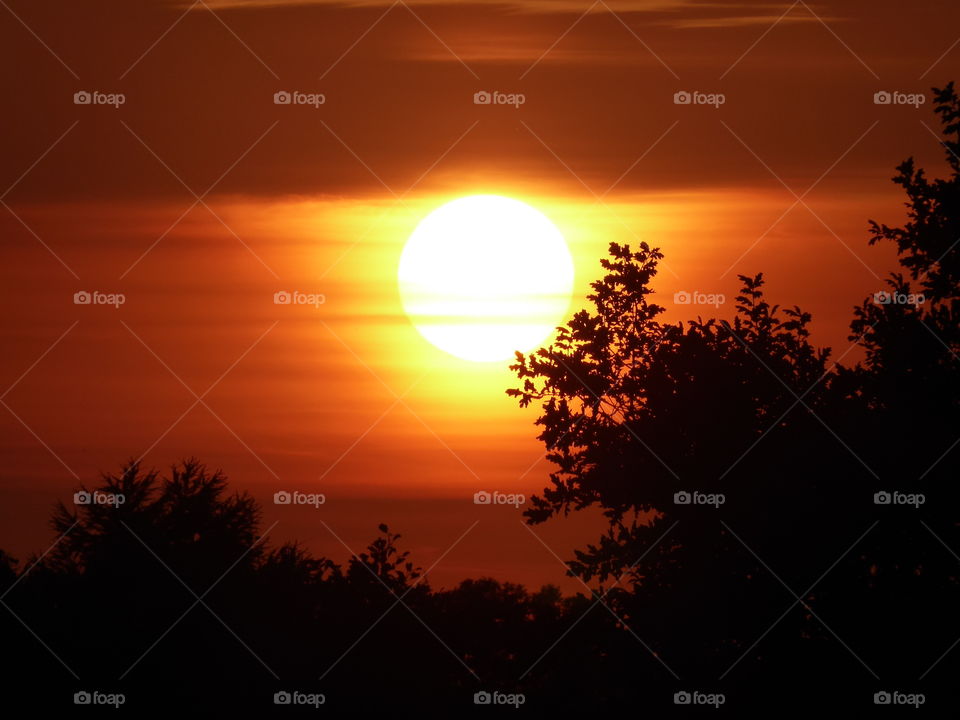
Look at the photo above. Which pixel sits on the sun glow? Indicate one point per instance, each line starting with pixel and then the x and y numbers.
pixel 484 276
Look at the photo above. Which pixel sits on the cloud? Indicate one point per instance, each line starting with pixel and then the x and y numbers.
pixel 734 21
pixel 679 14
pixel 540 6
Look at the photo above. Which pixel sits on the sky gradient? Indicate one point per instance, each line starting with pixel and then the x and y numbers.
pixel 199 198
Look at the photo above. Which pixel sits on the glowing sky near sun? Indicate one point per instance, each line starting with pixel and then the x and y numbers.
pixel 348 397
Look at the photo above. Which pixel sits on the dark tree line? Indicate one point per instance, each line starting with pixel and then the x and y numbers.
pixel 250 619
pixel 798 590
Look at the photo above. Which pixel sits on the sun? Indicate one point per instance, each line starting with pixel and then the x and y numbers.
pixel 483 276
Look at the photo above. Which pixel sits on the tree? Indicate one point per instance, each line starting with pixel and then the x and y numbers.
pixel 910 332
pixel 634 410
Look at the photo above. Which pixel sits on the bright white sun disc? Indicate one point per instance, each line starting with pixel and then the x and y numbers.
pixel 484 276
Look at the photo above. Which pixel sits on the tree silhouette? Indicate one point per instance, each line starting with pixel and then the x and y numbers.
pixel 118 601
pixel 634 410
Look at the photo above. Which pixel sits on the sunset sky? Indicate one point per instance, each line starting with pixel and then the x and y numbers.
pixel 199 198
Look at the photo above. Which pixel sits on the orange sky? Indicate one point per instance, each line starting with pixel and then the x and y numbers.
pixel 322 200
